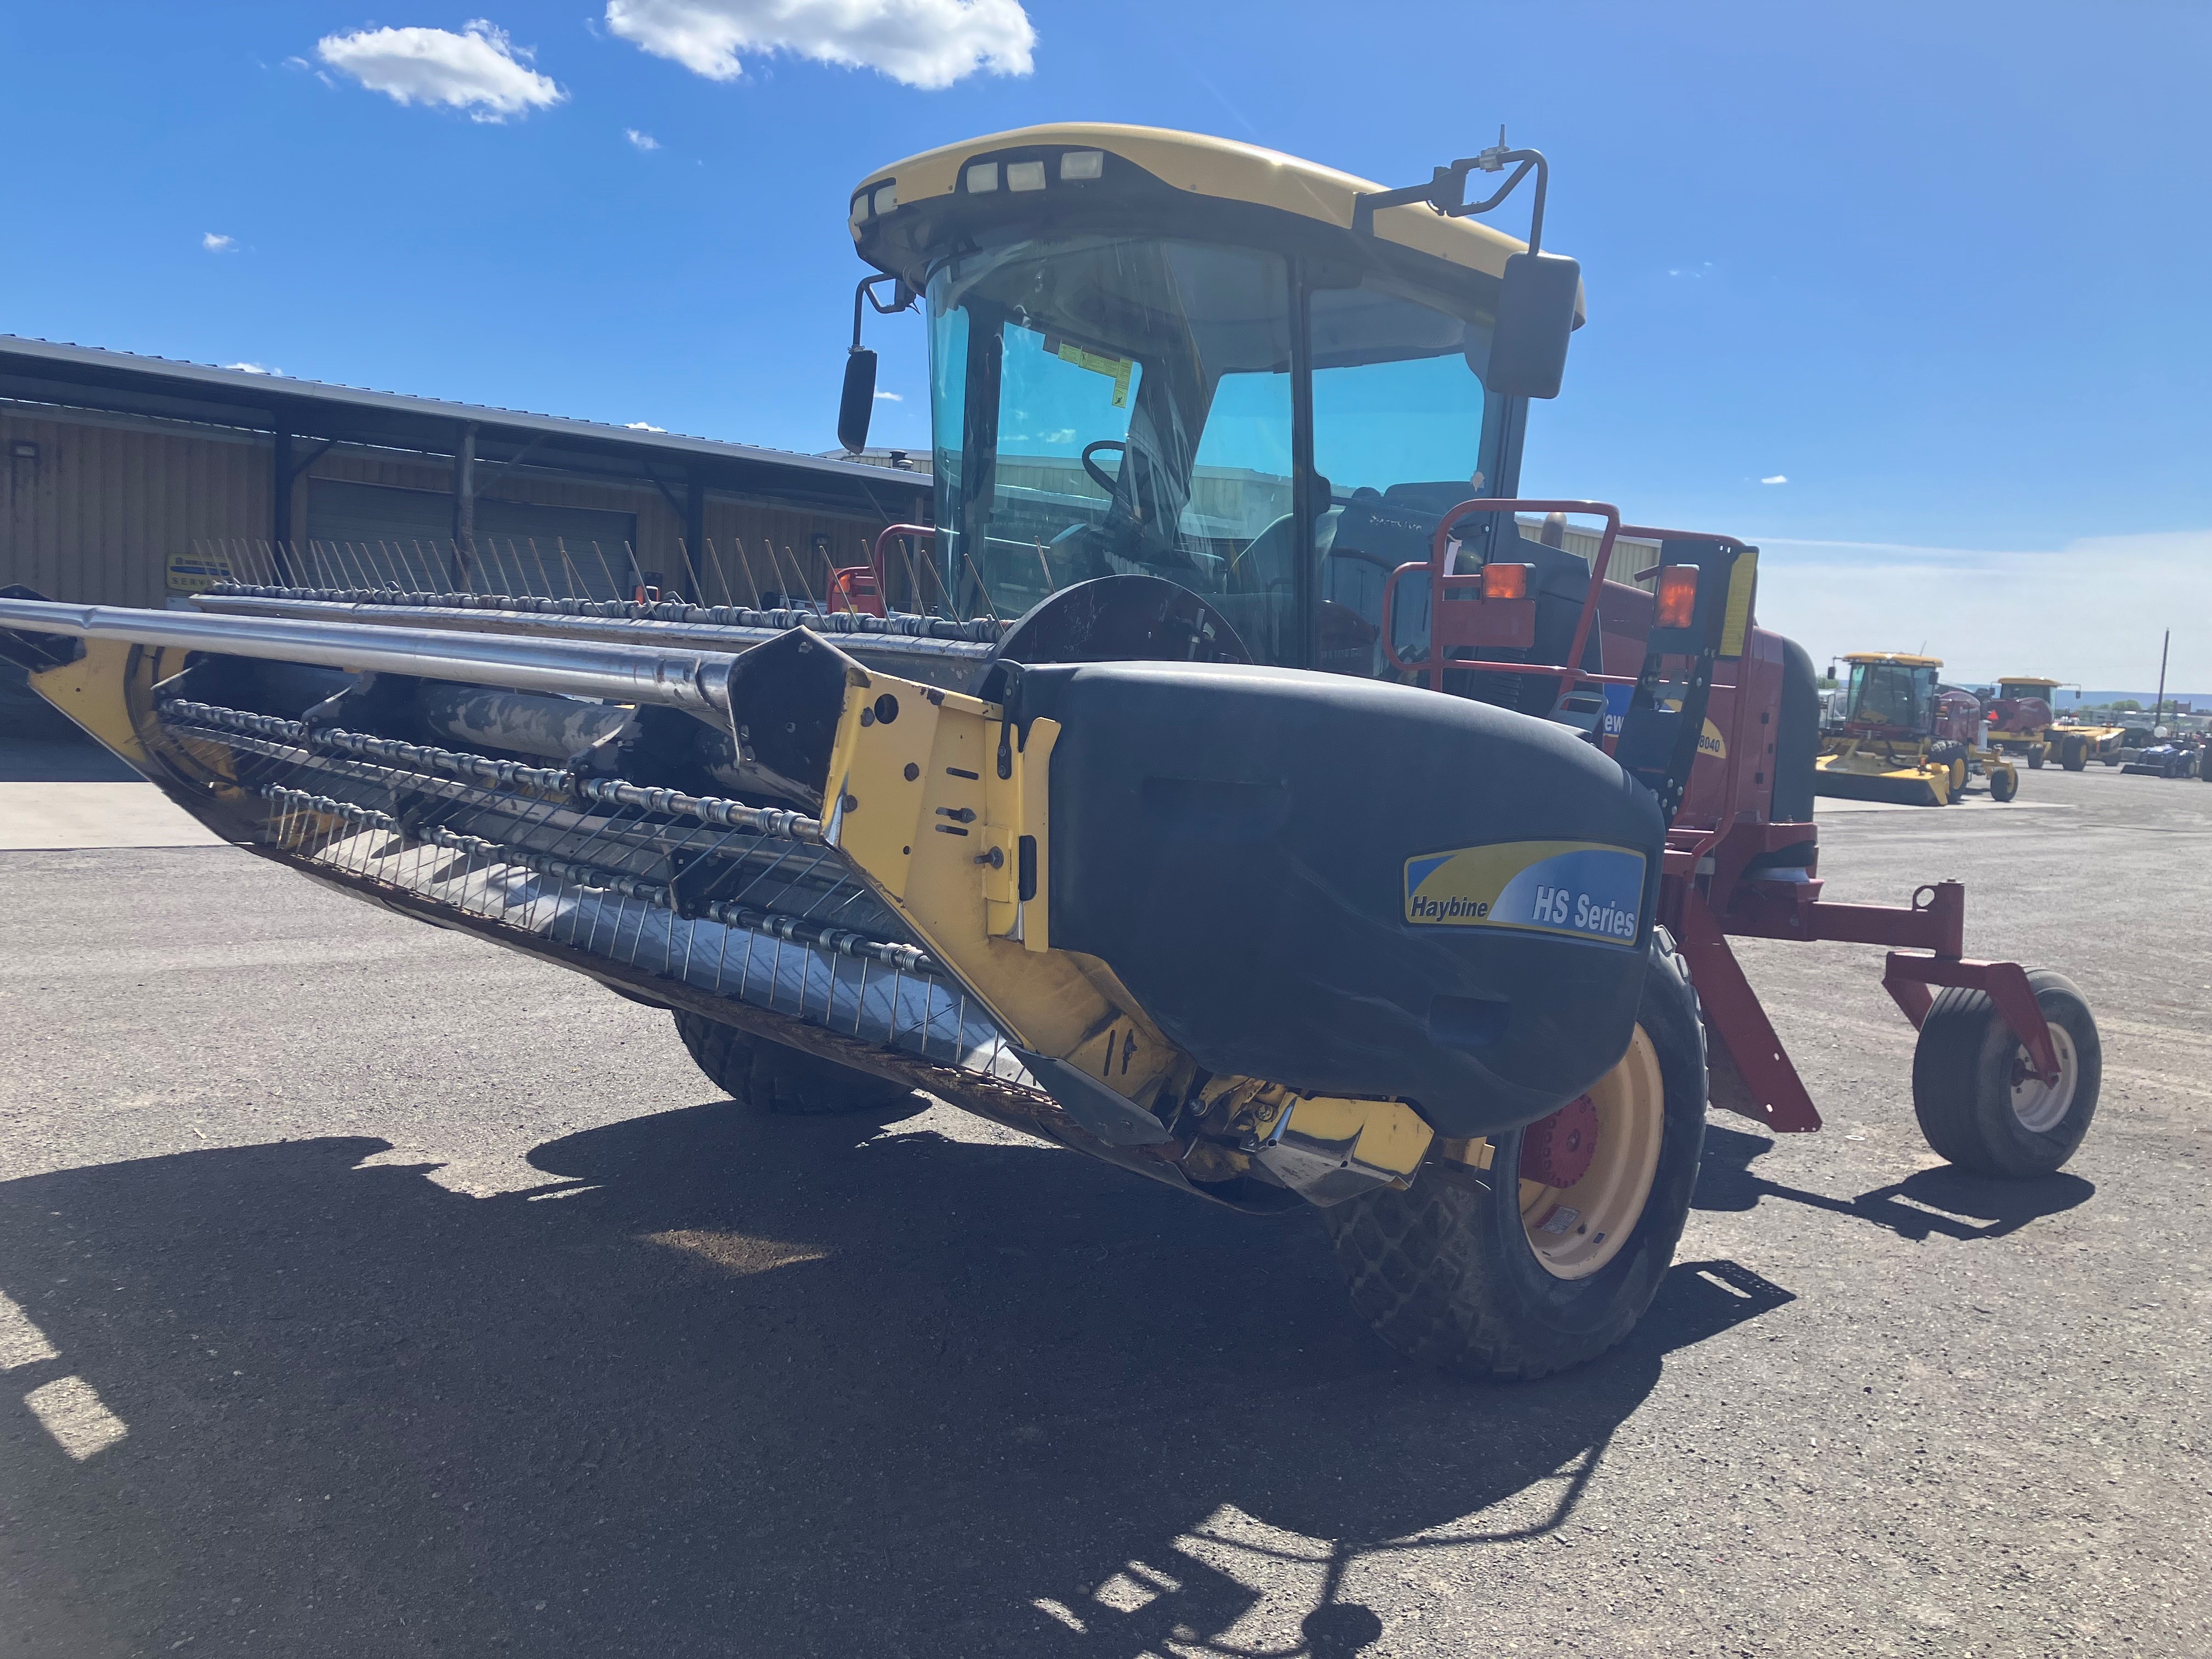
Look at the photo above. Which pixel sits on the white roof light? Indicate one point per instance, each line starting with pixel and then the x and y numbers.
pixel 860 207
pixel 1082 163
pixel 887 198
pixel 983 176
pixel 1024 175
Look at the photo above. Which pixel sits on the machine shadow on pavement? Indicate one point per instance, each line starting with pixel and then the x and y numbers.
pixel 39 743
pixel 1943 1200
pixel 732 1383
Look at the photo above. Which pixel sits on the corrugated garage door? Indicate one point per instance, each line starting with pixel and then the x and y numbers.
pixel 375 528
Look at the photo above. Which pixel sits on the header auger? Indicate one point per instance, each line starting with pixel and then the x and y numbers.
pixel 1315 838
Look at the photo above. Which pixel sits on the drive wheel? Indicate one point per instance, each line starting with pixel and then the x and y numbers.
pixel 2004 783
pixel 1952 757
pixel 1550 1256
pixel 1980 1105
pixel 757 1071
pixel 2036 755
pixel 2074 755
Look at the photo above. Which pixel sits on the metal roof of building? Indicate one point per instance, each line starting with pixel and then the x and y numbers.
pixel 121 382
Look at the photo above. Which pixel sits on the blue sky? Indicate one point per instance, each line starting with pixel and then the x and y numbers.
pixel 1941 267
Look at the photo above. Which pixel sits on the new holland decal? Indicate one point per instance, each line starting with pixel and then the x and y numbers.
pixel 1576 889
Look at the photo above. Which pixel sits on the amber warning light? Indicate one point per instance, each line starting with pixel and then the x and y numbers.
pixel 1505 581
pixel 1678 595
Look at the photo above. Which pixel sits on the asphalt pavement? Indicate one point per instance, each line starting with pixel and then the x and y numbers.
pixel 370 1290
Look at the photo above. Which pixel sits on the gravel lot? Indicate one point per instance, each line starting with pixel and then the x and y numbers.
pixel 373 1291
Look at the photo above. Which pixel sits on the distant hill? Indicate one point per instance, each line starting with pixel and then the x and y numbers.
pixel 2199 702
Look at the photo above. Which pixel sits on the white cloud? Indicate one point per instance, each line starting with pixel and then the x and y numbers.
pixel 2078 614
pixel 1777 479
pixel 254 368
pixel 922 43
pixel 900 397
pixel 642 140
pixel 642 426
pixel 478 70
pixel 214 242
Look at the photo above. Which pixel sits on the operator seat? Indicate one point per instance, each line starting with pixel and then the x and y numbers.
pixel 1391 528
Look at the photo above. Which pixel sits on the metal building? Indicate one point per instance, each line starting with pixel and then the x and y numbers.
pixel 130 480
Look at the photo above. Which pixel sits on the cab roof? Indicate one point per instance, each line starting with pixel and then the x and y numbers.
pixel 1903 659
pixel 1199 164
pixel 2026 679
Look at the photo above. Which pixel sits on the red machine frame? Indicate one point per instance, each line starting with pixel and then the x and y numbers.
pixel 1709 889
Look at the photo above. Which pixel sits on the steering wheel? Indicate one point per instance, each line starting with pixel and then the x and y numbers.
pixel 1105 480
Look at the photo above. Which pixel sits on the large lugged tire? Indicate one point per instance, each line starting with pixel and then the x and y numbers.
pixel 1450 1272
pixel 1951 756
pixel 1978 1107
pixel 755 1071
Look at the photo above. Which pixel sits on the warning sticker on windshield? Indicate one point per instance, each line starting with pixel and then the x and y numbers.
pixel 1579 889
pixel 1117 369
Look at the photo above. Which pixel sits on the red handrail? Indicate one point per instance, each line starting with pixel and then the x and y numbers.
pixel 1566 673
pixel 876 557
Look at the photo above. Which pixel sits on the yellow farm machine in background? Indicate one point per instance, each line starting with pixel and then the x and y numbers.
pixel 2022 719
pixel 1258 810
pixel 1907 739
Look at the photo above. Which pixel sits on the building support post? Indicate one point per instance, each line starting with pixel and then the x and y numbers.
pixel 464 506
pixel 695 535
pixel 281 473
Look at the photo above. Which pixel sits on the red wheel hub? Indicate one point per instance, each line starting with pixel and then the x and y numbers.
pixel 1557 1150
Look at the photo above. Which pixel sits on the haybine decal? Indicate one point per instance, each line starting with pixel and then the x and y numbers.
pixel 1576 888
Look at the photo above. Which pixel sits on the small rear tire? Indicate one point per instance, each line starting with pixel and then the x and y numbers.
pixel 2036 755
pixel 1450 1272
pixel 2074 755
pixel 755 1070
pixel 1979 1105
pixel 2004 784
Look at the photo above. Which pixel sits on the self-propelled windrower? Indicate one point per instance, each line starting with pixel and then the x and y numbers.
pixel 1319 836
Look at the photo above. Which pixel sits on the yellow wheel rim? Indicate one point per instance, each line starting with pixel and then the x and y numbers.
pixel 1575 1230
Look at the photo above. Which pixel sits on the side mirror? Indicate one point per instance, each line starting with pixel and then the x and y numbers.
pixel 1535 316
pixel 858 402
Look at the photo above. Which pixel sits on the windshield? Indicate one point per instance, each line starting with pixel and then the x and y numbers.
pixel 1105 405
pixel 1118 406
pixel 1398 431
pixel 1891 693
